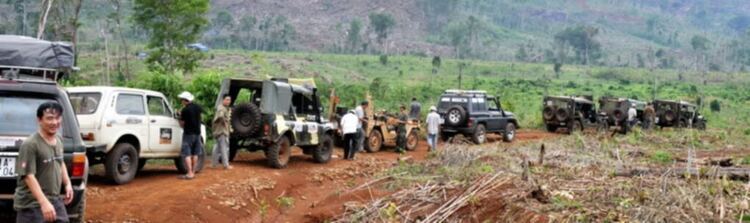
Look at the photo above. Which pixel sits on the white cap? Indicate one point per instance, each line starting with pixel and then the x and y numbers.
pixel 433 108
pixel 186 95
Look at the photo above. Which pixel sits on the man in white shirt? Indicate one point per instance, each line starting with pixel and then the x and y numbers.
pixel 632 113
pixel 433 127
pixel 360 112
pixel 349 130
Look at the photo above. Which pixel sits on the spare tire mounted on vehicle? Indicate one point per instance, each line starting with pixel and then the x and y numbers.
pixel 246 119
pixel 456 115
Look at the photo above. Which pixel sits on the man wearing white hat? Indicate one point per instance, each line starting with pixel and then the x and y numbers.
pixel 632 114
pixel 433 127
pixel 190 120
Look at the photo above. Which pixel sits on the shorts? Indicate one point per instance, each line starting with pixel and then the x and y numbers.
pixel 191 145
pixel 35 214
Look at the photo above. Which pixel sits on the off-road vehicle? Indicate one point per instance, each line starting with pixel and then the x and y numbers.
pixel 29 69
pixel 678 114
pixel 382 130
pixel 572 113
pixel 135 125
pixel 474 114
pixel 614 111
pixel 274 115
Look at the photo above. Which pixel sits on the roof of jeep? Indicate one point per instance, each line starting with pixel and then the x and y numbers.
pixel 622 99
pixel 255 83
pixel 32 86
pixel 465 93
pixel 576 99
pixel 108 88
pixel 674 101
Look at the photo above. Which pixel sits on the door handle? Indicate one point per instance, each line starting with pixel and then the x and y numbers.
pixel 153 120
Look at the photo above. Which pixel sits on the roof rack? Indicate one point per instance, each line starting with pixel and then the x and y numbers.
pixel 38 75
pixel 465 92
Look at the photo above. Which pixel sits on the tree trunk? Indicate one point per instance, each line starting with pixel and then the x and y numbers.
pixel 43 19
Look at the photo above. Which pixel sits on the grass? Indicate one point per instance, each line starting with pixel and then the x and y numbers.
pixel 661 156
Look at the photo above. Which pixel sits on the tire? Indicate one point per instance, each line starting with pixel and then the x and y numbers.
pixel 374 141
pixel 700 125
pixel 121 163
pixel 246 120
pixel 575 126
pixel 551 128
pixel 279 153
pixel 445 137
pixel 510 132
pixel 456 115
pixel 182 168
pixel 562 114
pixel 80 209
pixel 548 113
pixel 480 134
pixel 322 153
pixel 412 140
pixel 141 164
pixel 233 149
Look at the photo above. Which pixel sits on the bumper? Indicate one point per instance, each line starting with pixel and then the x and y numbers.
pixel 458 130
pixel 6 202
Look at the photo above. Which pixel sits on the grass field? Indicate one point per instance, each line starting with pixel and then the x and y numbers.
pixel 520 86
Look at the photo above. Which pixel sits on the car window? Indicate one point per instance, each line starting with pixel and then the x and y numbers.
pixel 18 116
pixel 156 106
pixel 130 104
pixel 85 103
pixel 492 105
pixel 478 104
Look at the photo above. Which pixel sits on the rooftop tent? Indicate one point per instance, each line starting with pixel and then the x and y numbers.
pixel 30 53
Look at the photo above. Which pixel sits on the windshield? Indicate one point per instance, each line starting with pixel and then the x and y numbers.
pixel 85 103
pixel 18 116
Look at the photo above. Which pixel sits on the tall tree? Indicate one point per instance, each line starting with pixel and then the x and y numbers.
pixel 171 25
pixel 582 40
pixel 353 35
pixel 382 23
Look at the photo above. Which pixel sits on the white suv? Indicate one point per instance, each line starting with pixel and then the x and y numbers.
pixel 134 124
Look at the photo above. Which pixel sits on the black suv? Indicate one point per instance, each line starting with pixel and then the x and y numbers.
pixel 274 115
pixel 474 114
pixel 29 69
pixel 570 112
pixel 679 114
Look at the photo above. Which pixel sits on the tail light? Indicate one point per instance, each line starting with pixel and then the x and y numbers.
pixel 470 121
pixel 79 164
pixel 266 129
pixel 88 137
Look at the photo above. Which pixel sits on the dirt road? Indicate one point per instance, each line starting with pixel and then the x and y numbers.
pixel 251 192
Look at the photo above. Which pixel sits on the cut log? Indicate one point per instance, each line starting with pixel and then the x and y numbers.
pixel 732 173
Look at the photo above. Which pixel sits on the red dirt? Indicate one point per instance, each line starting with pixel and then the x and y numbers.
pixel 319 191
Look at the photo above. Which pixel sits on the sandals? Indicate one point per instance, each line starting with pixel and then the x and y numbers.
pixel 185 177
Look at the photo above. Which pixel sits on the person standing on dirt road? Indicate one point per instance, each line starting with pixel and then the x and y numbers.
pixel 360 112
pixel 403 118
pixel 415 110
pixel 222 127
pixel 41 171
pixel 649 115
pixel 433 127
pixel 632 113
pixel 190 120
pixel 349 130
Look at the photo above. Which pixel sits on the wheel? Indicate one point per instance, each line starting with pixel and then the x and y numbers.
pixel 456 115
pixel 322 153
pixel 122 163
pixel 510 132
pixel 480 134
pixel 562 114
pixel 141 164
pixel 374 141
pixel 445 137
pixel 548 113
pixel 233 149
pixel 412 140
pixel 575 126
pixel 246 120
pixel 700 125
pixel 551 128
pixel 279 153
pixel 80 210
pixel 182 168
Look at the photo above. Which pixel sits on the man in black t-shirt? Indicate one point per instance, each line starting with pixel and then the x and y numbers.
pixel 190 120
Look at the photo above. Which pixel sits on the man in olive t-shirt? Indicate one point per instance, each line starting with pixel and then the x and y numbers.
pixel 41 171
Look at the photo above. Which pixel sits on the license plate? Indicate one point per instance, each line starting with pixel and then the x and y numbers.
pixel 7 166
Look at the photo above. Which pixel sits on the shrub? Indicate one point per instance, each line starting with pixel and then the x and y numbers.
pixel 384 59
pixel 715 106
